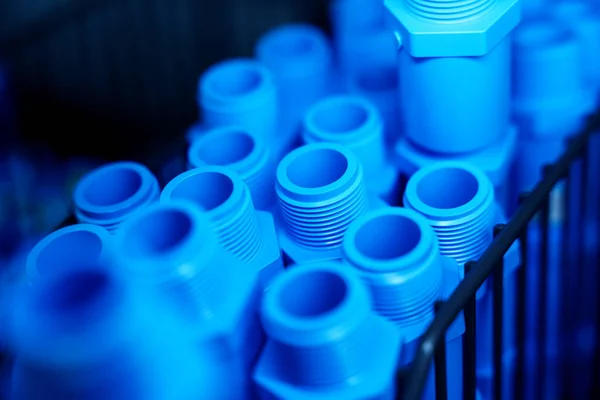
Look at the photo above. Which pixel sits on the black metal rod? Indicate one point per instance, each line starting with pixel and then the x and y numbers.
pixel 487 263
pixel 469 342
pixel 498 310
pixel 521 311
pixel 441 375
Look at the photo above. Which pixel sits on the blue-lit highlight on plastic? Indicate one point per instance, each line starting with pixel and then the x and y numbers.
pixel 239 92
pixel 328 344
pixel 108 195
pixel 248 155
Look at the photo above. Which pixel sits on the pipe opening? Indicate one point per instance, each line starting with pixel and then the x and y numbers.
pixel 226 148
pixel 447 188
pixel 387 237
pixel 112 186
pixel 67 250
pixel 236 80
pixel 317 168
pixel 208 189
pixel 340 116
pixel 313 294
pixel 76 291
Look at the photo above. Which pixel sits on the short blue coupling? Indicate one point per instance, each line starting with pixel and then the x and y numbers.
pixel 222 194
pixel 90 332
pixel 300 59
pixel 326 344
pixel 110 194
pixel 354 122
pixel 248 155
pixel 68 247
pixel 321 190
pixel 454 70
pixel 239 92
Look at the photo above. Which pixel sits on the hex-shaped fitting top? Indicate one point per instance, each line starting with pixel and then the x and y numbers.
pixel 451 28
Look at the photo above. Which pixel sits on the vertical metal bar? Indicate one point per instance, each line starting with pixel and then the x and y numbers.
pixel 498 309
pixel 543 293
pixel 441 376
pixel 469 344
pixel 521 310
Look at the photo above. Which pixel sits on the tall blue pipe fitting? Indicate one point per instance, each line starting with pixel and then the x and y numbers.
pixel 89 332
pixel 248 234
pixel 109 194
pixel 584 20
pixel 355 123
pixel 300 59
pixel 240 92
pixel 454 71
pixel 173 248
pixel 396 253
pixel 320 188
pixel 333 344
pixel 66 248
pixel 237 149
pixel 379 85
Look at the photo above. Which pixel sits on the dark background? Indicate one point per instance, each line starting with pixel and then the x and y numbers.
pixel 113 78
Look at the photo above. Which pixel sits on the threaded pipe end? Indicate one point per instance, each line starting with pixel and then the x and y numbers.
pixel 320 190
pixel 227 201
pixel 458 200
pixel 110 194
pixel 239 150
pixel 449 10
pixel 396 252
pixel 172 245
pixel 320 335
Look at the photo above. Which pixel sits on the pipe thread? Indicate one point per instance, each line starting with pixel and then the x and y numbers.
pixel 449 10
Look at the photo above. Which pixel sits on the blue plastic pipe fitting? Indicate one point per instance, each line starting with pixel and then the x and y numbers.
pixel 454 71
pixel 172 247
pixel 329 344
pixel 584 20
pixel 248 155
pixel 239 92
pixel 300 59
pixel 248 234
pixel 321 191
pixel 355 123
pixel 109 194
pixel 396 253
pixel 89 332
pixel 67 248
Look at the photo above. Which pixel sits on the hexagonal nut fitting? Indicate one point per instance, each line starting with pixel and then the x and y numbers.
pixel 452 28
pixel 268 261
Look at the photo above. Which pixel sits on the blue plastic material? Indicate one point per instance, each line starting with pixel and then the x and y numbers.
pixel 172 247
pixel 249 156
pixel 248 234
pixel 379 85
pixel 90 332
pixel 321 191
pixel 301 61
pixel 326 345
pixel 533 8
pixel 396 252
pixel 584 19
pixel 355 123
pixel 239 92
pixel 108 195
pixel 68 247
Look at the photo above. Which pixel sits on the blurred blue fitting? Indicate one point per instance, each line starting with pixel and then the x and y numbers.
pixel 66 248
pixel 550 95
pixel 240 92
pixel 333 344
pixel 495 161
pixel 195 132
pixel 458 200
pixel 456 57
pixel 379 85
pixel 321 192
pixel 356 124
pixel 109 194
pixel 300 59
pixel 534 8
pixel 396 252
pixel 248 234
pixel 584 19
pixel 89 332
pixel 249 156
